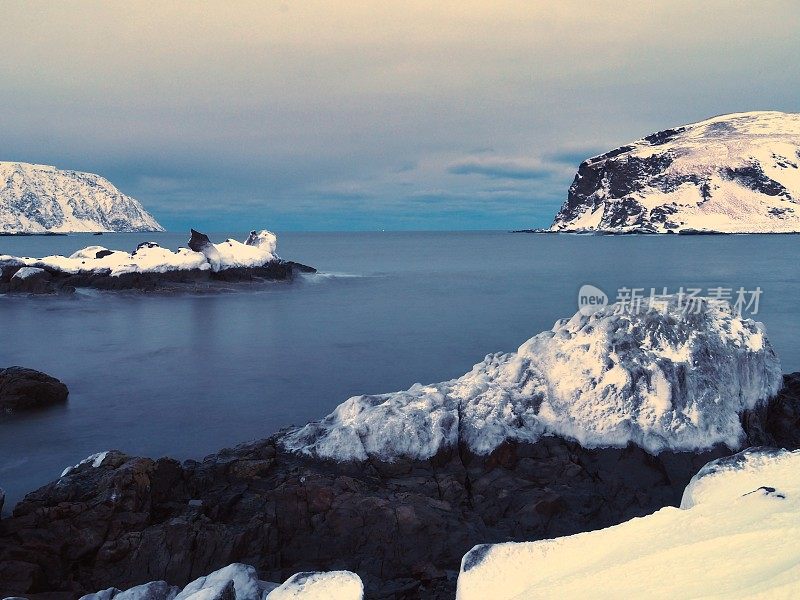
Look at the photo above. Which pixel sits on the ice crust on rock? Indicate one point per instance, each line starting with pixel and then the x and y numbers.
pixel 330 585
pixel 243 578
pixel 239 581
pixel 663 379
pixel 735 538
pixel 149 257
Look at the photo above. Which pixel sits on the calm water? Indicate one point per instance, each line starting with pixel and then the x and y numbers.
pixel 187 375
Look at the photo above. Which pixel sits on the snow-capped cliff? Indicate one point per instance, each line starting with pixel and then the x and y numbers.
pixel 734 537
pixel 736 173
pixel 40 198
pixel 664 379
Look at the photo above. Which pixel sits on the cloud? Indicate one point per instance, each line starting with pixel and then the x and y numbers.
pixel 498 169
pixel 574 156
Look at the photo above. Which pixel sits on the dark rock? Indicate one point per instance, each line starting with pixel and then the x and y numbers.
pixel 22 389
pixel 31 280
pixel 403 527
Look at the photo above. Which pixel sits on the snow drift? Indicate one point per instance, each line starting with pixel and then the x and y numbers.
pixel 735 538
pixel 664 378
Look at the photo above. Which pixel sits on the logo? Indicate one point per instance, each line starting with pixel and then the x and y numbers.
pixel 591 299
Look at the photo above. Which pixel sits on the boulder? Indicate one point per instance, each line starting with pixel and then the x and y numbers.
pixel 22 389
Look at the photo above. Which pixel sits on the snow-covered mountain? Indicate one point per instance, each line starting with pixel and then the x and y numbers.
pixel 40 198
pixel 736 173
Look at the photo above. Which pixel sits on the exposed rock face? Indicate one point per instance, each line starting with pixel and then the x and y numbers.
pixel 737 173
pixel 402 527
pixel 22 389
pixel 40 198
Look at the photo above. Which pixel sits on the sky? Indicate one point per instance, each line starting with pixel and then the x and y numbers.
pixel 372 115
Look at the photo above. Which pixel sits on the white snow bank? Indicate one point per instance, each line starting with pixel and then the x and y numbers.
pixel 149 257
pixel 738 540
pixel 332 585
pixel 661 379
pixel 740 474
pixel 95 459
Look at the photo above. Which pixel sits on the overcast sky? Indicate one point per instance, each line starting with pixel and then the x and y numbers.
pixel 372 115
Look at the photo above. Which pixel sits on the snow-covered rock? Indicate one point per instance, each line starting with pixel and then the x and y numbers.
pixel 155 590
pixel 238 581
pixel 666 378
pixel 736 539
pixel 331 585
pixel 736 173
pixel 149 257
pixel 242 578
pixel 40 198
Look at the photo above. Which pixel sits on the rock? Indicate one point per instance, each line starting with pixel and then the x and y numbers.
pixel 155 590
pixel 106 594
pixel 733 173
pixel 22 389
pixel 31 280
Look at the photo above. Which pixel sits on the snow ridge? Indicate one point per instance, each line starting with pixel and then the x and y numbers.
pixel 41 198
pixel 736 173
pixel 666 379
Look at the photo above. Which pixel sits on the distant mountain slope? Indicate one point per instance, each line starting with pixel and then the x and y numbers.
pixel 39 198
pixel 737 173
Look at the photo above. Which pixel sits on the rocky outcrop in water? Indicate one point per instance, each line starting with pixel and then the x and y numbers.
pixel 22 389
pixel 203 266
pixel 402 527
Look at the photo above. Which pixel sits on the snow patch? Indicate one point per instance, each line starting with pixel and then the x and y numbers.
pixel 662 379
pixel 96 460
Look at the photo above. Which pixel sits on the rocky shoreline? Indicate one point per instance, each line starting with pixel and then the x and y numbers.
pixel 203 266
pixel 402 526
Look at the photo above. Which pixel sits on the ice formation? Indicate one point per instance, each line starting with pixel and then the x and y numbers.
pixel 668 378
pixel 734 538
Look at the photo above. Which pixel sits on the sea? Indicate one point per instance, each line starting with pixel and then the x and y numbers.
pixel 187 374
